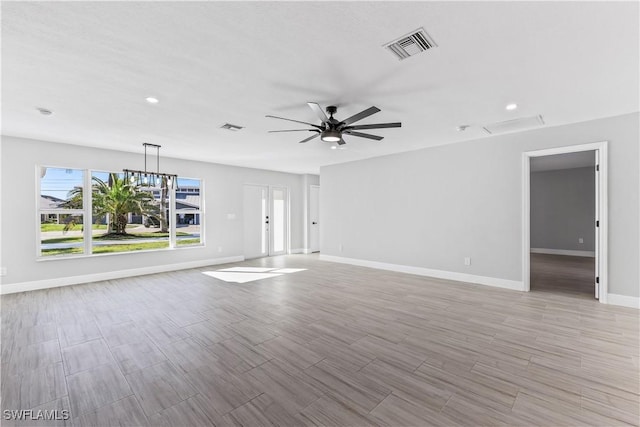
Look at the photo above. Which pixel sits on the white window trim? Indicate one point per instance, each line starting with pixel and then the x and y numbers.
pixel 86 212
pixel 191 211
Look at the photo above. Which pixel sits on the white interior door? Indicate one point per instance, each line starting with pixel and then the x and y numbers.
pixel 597 227
pixel 278 221
pixel 314 218
pixel 256 221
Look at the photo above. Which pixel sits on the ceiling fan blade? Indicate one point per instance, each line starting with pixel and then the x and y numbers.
pixel 363 135
pixel 318 110
pixel 341 142
pixel 361 115
pixel 310 138
pixel 294 130
pixel 296 121
pixel 375 126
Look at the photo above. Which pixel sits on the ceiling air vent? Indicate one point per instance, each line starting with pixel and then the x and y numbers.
pixel 229 126
pixel 514 125
pixel 415 42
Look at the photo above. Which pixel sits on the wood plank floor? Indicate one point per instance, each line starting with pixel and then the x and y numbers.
pixel 563 274
pixel 331 345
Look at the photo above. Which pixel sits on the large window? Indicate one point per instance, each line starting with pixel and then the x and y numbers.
pixel 61 211
pixel 130 216
pixel 126 215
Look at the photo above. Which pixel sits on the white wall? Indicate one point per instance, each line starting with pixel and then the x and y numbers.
pixel 563 209
pixel 222 195
pixel 431 208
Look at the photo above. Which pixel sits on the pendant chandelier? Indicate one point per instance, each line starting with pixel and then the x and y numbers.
pixel 150 178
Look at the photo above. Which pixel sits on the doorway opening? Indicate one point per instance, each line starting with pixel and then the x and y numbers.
pixel 266 220
pixel 565 220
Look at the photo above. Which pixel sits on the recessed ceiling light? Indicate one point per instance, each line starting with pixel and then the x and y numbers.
pixel 44 111
pixel 511 107
pixel 333 147
pixel 462 128
pixel 152 100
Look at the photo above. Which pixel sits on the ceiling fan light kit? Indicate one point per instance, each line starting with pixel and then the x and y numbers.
pixel 332 130
pixel 331 136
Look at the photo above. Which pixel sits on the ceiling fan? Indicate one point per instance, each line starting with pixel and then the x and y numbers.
pixel 332 130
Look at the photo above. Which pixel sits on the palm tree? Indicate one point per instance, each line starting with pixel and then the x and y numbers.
pixel 115 199
pixel 164 206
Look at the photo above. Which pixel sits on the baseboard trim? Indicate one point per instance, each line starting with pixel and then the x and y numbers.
pixel 623 300
pixel 305 251
pixel 569 252
pixel 11 288
pixel 420 271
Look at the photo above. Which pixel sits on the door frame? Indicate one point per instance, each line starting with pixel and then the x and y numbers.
pixel 244 218
pixel 287 212
pixel 601 211
pixel 287 221
pixel 314 186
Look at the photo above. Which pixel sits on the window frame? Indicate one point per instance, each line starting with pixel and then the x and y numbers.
pixel 199 211
pixel 87 212
pixel 39 212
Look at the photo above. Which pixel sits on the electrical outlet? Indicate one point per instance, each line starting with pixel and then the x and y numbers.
pixel 219 248
pixel 580 240
pixel 340 247
pixel 467 260
pixel 3 271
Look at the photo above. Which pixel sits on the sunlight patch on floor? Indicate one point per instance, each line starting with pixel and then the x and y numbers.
pixel 249 274
pixel 239 277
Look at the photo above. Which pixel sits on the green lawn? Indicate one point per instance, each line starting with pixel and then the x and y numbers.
pixel 109 248
pixel 129 247
pixel 120 247
pixel 60 227
pixel 61 251
pixel 185 242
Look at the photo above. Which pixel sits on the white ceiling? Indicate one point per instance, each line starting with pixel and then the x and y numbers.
pixel 581 159
pixel 94 63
